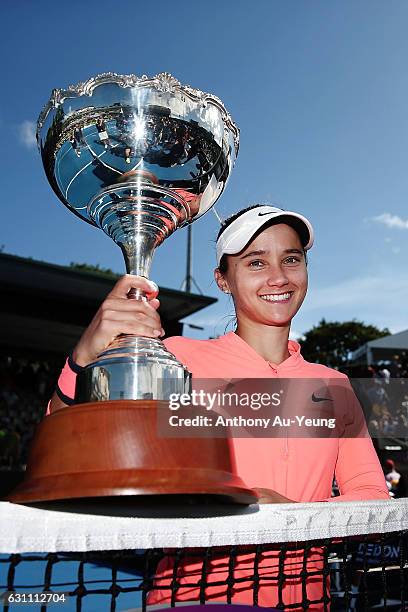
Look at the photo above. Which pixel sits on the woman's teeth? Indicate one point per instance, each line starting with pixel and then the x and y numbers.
pixel 280 297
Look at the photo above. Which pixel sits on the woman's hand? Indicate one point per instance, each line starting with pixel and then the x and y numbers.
pixel 120 315
pixel 267 496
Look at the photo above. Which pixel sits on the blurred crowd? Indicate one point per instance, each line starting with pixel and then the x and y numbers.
pixel 383 393
pixel 396 482
pixel 25 389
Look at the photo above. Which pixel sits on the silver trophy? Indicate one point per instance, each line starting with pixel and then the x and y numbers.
pixel 138 157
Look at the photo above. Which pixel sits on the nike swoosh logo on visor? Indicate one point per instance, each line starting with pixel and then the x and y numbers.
pixel 321 399
pixel 263 214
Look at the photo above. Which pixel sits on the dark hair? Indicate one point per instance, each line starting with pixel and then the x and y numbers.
pixel 291 221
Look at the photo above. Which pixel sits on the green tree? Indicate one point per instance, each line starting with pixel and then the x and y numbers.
pixel 83 267
pixel 331 342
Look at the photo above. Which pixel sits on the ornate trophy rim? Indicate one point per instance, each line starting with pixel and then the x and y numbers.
pixel 163 82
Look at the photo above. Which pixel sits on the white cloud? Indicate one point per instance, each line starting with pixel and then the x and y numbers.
pixel 375 299
pixel 391 221
pixel 381 290
pixel 26 132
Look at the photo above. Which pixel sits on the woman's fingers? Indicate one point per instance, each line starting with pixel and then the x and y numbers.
pixel 131 310
pixel 123 304
pixel 154 303
pixel 153 292
pixel 130 281
pixel 136 319
pixel 115 326
pixel 120 315
pixel 268 496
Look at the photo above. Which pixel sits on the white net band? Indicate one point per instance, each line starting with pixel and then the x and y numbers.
pixel 25 529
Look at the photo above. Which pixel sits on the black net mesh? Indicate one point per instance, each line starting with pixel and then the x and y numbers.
pixel 355 573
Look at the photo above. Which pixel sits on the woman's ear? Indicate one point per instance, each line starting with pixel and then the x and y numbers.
pixel 221 281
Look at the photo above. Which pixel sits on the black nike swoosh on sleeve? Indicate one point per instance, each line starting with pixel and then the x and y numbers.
pixel 321 399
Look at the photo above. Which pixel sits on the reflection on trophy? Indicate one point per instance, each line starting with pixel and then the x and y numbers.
pixel 138 157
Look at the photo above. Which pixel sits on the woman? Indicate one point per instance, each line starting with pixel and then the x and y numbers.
pixel 261 263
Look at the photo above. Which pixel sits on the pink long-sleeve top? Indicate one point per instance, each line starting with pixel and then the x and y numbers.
pixel 301 469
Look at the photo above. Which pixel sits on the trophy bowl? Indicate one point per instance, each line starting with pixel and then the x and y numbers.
pixel 137 157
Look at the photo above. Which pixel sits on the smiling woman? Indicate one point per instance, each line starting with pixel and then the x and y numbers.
pixel 267 278
pixel 261 262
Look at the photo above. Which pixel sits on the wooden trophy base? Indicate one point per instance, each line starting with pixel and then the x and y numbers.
pixel 107 449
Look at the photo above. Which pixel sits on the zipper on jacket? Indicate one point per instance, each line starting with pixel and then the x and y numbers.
pixel 286 447
pixel 285 444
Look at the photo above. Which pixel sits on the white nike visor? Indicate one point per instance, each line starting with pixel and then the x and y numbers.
pixel 237 235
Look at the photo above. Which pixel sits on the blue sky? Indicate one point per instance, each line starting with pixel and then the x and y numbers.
pixel 319 90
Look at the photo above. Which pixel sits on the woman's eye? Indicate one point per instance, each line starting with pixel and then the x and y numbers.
pixel 256 263
pixel 292 260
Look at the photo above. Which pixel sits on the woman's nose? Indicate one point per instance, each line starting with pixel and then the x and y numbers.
pixel 277 277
